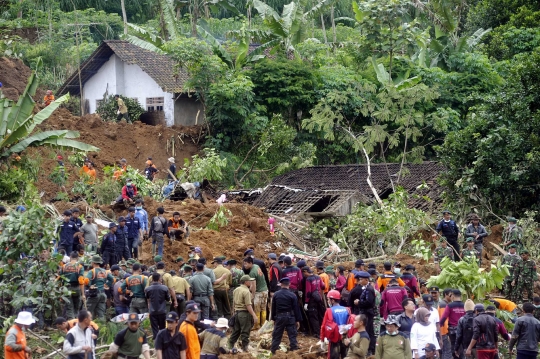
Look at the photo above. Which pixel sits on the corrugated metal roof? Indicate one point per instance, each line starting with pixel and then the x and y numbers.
pixel 161 68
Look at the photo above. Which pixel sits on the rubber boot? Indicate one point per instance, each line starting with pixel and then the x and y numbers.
pixel 262 318
pixel 153 250
pixel 186 242
pixel 257 325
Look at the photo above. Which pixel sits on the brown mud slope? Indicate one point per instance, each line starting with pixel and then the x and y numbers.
pixel 14 75
pixel 134 142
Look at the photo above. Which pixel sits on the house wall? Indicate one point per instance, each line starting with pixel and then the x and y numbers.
pixel 186 109
pixel 103 80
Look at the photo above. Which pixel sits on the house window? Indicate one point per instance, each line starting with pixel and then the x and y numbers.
pixel 98 103
pixel 154 103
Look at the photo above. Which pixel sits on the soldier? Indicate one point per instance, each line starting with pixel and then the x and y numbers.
pixel 511 259
pixel 135 284
pixel 244 314
pixel 442 251
pixel 512 234
pixel 536 303
pixel 469 251
pixel 180 263
pixel 236 274
pixel 203 292
pixel 99 279
pixel 122 240
pixel 524 278
pixel 477 231
pixel 73 273
pixel 221 289
pixel 286 316
pixel 378 298
pixel 180 286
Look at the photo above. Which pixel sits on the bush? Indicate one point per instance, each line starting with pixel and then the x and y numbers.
pixel 108 108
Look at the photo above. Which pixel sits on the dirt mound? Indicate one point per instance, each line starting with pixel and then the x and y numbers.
pixel 14 75
pixel 134 142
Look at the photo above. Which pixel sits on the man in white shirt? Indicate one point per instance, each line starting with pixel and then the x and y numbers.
pixel 79 343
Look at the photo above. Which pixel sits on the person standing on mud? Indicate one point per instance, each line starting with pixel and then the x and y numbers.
pixel 158 228
pixel 286 316
pixel 203 291
pixel 122 111
pixel 122 234
pixel 448 228
pixel 108 246
pixel 98 279
pixel 245 317
pixel 478 232
pixel 90 234
pixel 259 289
pixel 73 273
pixel 133 224
pixel 15 343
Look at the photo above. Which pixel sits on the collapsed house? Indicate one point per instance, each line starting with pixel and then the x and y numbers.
pixel 326 191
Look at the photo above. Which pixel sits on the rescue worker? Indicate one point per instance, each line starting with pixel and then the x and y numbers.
pixel 108 246
pixel 157 296
pixel 90 234
pixel 524 277
pixel 513 234
pixel 214 341
pixel 158 228
pixel 79 339
pixel 203 291
pixel 391 299
pixel 131 342
pixel 122 242
pixel 129 193
pixel 470 251
pixel 388 275
pixel 134 226
pixel 464 330
pixel 274 276
pixel 99 280
pixel 75 217
pixel 15 343
pixel 170 343
pixel 121 305
pixel 245 317
pixel 122 111
pixel 134 286
pixel 313 300
pixel 221 289
pixel 123 168
pixel 178 229
pixel 368 305
pixel 63 325
pixel 393 344
pixel 190 331
pixel 448 228
pixel 259 288
pixel 153 267
pixel 236 274
pixel 48 98
pixel 526 334
pixel 411 283
pixel 286 316
pixel 172 169
pixel 334 315
pixel 452 313
pixel 68 232
pixel 182 292
pixel 441 252
pixel 477 232
pixel 511 259
pixel 359 343
pixel 73 273
pixel 142 215
pixel 250 253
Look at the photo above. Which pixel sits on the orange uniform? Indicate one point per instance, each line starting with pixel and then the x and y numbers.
pixel 15 343
pixel 326 280
pixel 190 333
pixel 505 304
pixel 48 99
pixel 385 278
pixel 90 172
pixel 118 173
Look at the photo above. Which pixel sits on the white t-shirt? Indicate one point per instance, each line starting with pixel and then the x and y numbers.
pixel 422 335
pixel 433 317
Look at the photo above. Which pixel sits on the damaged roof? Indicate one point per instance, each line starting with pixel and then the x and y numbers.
pixel 326 188
pixel 161 68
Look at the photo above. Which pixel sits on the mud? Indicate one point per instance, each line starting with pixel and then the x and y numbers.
pixel 14 75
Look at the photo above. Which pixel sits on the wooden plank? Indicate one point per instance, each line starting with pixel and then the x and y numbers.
pixel 281 219
pixel 290 237
pixel 497 247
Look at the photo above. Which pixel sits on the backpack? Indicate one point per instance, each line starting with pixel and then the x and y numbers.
pixel 467 329
pixel 331 331
pixel 159 226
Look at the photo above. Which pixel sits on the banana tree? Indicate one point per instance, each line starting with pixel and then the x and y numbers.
pixel 17 123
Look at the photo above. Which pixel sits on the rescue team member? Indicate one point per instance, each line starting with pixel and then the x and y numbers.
pixel 359 343
pixel 334 315
pixel 392 343
pixel 178 228
pixel 134 226
pixel 453 312
pixel 68 232
pixel 73 273
pixel 121 246
pixel 245 317
pixel 158 296
pixel 15 342
pixel 135 285
pixel 64 325
pixel 170 343
pixel 190 332
pixel 220 289
pixel 214 341
pixel 131 342
pixel 48 98
pixel 79 342
pixel 286 315
pixel 108 246
pixel 98 278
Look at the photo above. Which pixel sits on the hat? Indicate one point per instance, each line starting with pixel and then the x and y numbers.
pixel 25 318
pixel 171 159
pixel 197 250
pixel 513 245
pixel 409 267
pixel 158 258
pixel 133 318
pixel 427 299
pixel 131 261
pixel 187 266
pixel 524 251
pixel 60 320
pixel 361 274
pixel 193 307
pixel 127 275
pixel 112 225
pixel 231 262
pixel 372 271
pixel 285 279
pixel 131 209
pixel 433 289
pixel 479 307
pixel 469 305
pixel 246 278
pixel 430 347
pixel 491 308
pixel 217 260
pixel 372 265
pixel 89 215
pixel 222 323
pixel 97 259
pixel 202 260
pixel 179 259
pixel 123 160
pixel 358 263
pixel 248 252
pixel 319 264
pixel 446 211
pixel 301 263
pixel 392 319
pixel 75 210
pixel 442 239
pixel 67 212
pixel 121 219
pixel 272 256
pixel 172 317
pixel 329 269
pixel 469 239
pixel 59 157
pixel 511 219
pixel 281 258
pixel 115 267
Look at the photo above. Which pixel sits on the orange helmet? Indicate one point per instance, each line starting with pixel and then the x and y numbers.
pixel 334 294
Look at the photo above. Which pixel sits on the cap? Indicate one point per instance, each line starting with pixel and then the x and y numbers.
pixel 67 212
pixel 217 260
pixel 248 252
pixel 285 280
pixel 434 289
pixel 372 265
pixel 172 317
pixel 112 225
pixel 409 267
pixel 131 209
pixel 171 159
pixel 446 211
pixel 319 264
pixel 329 269
pixel 179 259
pixel 513 245
pixel 524 251
pixel 479 307
pixel 301 263
pixel 97 259
pixel 75 210
pixel 358 263
pixel 361 274
pixel 430 347
pixel 469 239
pixel 187 266
pixel 272 256
pixel 122 263
pixel 121 219
pixel 231 262
pixel 199 266
pixel 372 271
pixel 281 258
pixel 89 215
pixel 427 299
pixel 133 318
pixel 60 320
pixel 123 160
pixel 511 219
pixel 193 307
pixel 115 267
pixel 246 278
pixel 491 308
pixel 197 250
pixel 158 258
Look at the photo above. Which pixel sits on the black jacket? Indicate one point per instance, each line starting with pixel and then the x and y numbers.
pixel 526 333
pixel 485 331
pixel 464 332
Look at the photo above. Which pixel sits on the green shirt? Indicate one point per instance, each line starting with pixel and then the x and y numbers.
pixel 130 343
pixel 393 347
pixel 201 285
pixel 99 277
pixel 260 282
pixel 72 272
pixel 136 284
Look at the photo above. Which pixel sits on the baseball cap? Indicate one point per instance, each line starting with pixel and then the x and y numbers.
pixel 301 263
pixel 361 274
pixel 115 267
pixel 430 347
pixel 428 299
pixel 172 317
pixel 133 318
pixel 193 307
pixel 246 278
pixel 285 279
pixel 272 256
pixel 358 263
pixel 434 289
pixel 248 252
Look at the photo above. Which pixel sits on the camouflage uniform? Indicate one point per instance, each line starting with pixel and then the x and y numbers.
pixel 514 235
pixel 471 253
pixel 536 312
pixel 377 318
pixel 524 277
pixel 236 275
pixel 441 253
pixel 511 260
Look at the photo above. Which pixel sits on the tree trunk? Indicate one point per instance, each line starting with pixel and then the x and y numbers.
pixel 323 30
pixel 194 18
pixel 19 14
pixel 124 15
pixel 333 24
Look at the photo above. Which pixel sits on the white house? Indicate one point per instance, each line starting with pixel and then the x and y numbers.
pixel 119 67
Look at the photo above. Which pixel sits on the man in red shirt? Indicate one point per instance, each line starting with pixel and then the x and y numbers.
pixel 391 299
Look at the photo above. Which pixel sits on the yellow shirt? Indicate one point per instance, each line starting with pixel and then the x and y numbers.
pixel 179 284
pixel 121 106
pixel 241 298
pixel 219 271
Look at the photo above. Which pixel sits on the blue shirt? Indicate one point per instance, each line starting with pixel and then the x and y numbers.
pixel 340 315
pixel 133 224
pixel 121 237
pixel 67 231
pixel 108 243
pixel 143 218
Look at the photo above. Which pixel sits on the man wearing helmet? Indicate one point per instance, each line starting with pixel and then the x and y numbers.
pixel 393 344
pixel 334 316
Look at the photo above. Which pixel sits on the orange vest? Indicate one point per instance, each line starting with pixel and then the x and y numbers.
pixel 21 340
